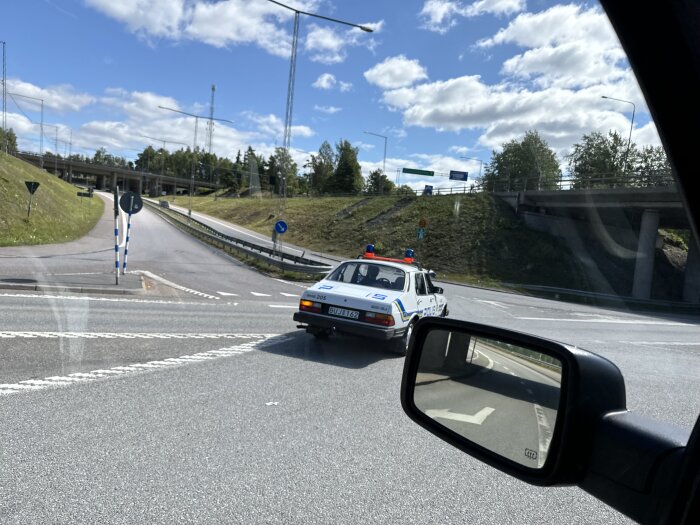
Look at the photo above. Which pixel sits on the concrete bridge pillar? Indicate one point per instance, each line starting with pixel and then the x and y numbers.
pixel 644 266
pixel 140 188
pixel 114 181
pixel 691 283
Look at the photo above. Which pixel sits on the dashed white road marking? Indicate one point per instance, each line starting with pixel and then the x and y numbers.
pixel 116 335
pixel 227 294
pixel 298 285
pixel 258 294
pixel 107 299
pixel 295 306
pixel 256 342
pixel 175 285
pixel 289 294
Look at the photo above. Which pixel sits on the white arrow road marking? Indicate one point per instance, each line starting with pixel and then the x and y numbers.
pixel 445 413
pixel 258 294
pixel 226 294
pixel 289 294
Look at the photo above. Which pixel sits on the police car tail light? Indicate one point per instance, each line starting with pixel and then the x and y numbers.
pixel 382 319
pixel 310 306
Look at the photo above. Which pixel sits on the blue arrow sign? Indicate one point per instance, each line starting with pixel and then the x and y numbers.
pixel 280 226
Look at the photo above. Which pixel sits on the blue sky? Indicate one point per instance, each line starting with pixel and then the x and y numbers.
pixel 442 79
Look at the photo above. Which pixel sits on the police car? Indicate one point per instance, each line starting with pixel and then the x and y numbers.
pixel 372 296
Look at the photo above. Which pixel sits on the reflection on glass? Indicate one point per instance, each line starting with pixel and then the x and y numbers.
pixel 500 396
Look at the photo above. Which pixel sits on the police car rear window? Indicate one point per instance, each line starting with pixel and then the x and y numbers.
pixel 367 274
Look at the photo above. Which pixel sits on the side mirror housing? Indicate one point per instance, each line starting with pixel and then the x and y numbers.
pixel 542 411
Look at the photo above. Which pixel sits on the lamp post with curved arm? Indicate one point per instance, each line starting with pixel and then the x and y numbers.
pixel 629 139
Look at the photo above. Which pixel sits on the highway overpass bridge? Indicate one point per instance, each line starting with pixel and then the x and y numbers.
pixel 624 221
pixel 107 177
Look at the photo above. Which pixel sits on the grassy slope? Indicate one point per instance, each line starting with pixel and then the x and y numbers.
pixel 58 214
pixel 472 238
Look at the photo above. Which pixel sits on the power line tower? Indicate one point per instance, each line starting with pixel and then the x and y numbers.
pixel 210 124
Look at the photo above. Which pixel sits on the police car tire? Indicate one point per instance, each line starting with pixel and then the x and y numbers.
pixel 400 344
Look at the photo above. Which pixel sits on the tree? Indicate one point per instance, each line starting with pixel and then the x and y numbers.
pixel 528 164
pixel 322 168
pixel 378 183
pixel 11 139
pixel 600 161
pixel 287 170
pixel 652 167
pixel 347 177
pixel 146 160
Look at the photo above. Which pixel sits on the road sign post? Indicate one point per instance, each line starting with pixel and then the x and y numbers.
pixel 116 233
pixel 131 203
pixel 31 187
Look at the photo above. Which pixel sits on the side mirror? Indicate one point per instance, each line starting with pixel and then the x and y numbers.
pixel 432 274
pixel 544 412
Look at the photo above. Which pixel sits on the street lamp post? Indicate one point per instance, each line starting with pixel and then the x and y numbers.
pixel 194 146
pixel 293 66
pixel 41 125
pixel 385 141
pixel 629 139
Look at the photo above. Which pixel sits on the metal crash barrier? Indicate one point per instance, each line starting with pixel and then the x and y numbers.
pixel 284 261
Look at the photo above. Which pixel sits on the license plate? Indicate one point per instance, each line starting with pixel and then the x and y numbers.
pixel 342 312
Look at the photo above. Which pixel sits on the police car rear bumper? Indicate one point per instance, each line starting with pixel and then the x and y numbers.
pixel 349 327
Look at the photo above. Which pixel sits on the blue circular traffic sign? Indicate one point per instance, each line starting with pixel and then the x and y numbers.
pixel 280 226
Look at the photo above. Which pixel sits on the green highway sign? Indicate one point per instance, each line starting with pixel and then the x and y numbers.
pixel 418 172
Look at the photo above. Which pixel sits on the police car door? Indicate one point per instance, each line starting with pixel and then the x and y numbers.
pixel 425 300
pixel 433 291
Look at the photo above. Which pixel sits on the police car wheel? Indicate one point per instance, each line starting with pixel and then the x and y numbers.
pixel 400 344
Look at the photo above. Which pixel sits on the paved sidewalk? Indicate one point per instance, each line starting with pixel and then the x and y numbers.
pixel 98 283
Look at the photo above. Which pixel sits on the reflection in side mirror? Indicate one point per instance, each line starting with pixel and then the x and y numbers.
pixel 501 396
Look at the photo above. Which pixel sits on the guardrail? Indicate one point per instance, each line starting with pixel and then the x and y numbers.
pixel 284 261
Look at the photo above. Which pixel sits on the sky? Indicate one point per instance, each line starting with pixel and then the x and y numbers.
pixel 440 79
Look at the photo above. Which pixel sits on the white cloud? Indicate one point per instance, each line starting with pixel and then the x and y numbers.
pixel 329 44
pixel 566 46
pixel 441 15
pixel 330 110
pixel 161 18
pixel 272 126
pixel 325 81
pixel 570 58
pixel 61 98
pixel 328 81
pixel 234 22
pixel 396 72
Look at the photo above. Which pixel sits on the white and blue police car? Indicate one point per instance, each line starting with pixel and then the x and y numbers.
pixel 372 296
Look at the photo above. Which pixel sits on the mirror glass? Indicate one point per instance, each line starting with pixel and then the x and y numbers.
pixel 497 395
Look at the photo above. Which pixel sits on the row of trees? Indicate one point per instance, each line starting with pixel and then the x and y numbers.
pixel 597 161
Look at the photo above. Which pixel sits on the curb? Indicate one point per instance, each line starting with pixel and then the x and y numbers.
pixel 73 289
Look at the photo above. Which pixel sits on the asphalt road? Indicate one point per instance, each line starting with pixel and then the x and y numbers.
pixel 204 404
